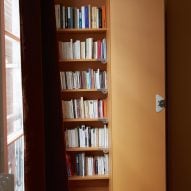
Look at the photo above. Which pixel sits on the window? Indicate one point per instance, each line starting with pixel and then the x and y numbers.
pixel 14 111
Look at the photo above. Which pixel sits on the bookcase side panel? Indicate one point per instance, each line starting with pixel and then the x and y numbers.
pixel 137 73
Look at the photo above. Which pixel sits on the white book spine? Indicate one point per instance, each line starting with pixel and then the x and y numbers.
pixel 100 108
pixel 106 157
pixel 71 109
pixel 95 50
pixel 76 49
pixel 105 79
pixel 82 113
pixel 78 53
pixel 63 17
pixel 78 18
pixel 104 49
pixel 93 17
pixel 81 137
pixel 97 79
pixel 91 110
pixel 65 50
pixel 86 109
pixel 76 137
pixel 97 17
pixel 83 50
pixel 57 16
pixel 89 48
pixel 61 55
pixel 83 16
pixel 75 108
pixel 89 15
pixel 71 49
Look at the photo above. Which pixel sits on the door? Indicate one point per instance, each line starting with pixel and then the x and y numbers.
pixel 137 75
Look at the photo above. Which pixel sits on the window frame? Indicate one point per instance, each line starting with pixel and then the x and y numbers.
pixel 6 140
pixel 3 112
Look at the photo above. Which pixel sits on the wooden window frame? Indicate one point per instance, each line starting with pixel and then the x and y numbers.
pixel 6 139
pixel 3 125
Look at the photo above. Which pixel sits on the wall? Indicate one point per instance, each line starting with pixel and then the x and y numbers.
pixel 178 57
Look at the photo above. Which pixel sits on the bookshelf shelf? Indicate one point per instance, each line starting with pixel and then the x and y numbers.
pixel 82 60
pixel 104 120
pixel 95 177
pixel 85 149
pixel 104 91
pixel 84 93
pixel 80 65
pixel 99 30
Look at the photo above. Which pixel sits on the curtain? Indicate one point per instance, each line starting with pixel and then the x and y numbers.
pixel 45 165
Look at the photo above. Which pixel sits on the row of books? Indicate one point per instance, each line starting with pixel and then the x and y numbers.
pixel 80 18
pixel 86 136
pixel 89 79
pixel 80 108
pixel 88 49
pixel 88 165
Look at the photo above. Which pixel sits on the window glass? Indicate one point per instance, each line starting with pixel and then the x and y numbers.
pixel 15 163
pixel 11 9
pixel 14 105
pixel 13 84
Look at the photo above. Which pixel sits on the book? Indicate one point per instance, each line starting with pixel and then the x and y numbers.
pixel 57 16
pixel 69 165
pixel 103 7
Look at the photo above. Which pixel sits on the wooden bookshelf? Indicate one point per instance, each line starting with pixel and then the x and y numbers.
pixel 97 177
pixel 96 182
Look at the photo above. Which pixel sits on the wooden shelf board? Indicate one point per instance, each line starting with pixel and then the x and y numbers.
pixel 82 66
pixel 86 120
pixel 81 30
pixel 84 90
pixel 81 149
pixel 81 60
pixel 95 177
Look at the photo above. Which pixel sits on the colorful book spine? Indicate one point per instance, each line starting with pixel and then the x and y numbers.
pixel 86 16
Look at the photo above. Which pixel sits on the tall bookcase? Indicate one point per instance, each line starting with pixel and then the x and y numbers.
pixel 85 81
